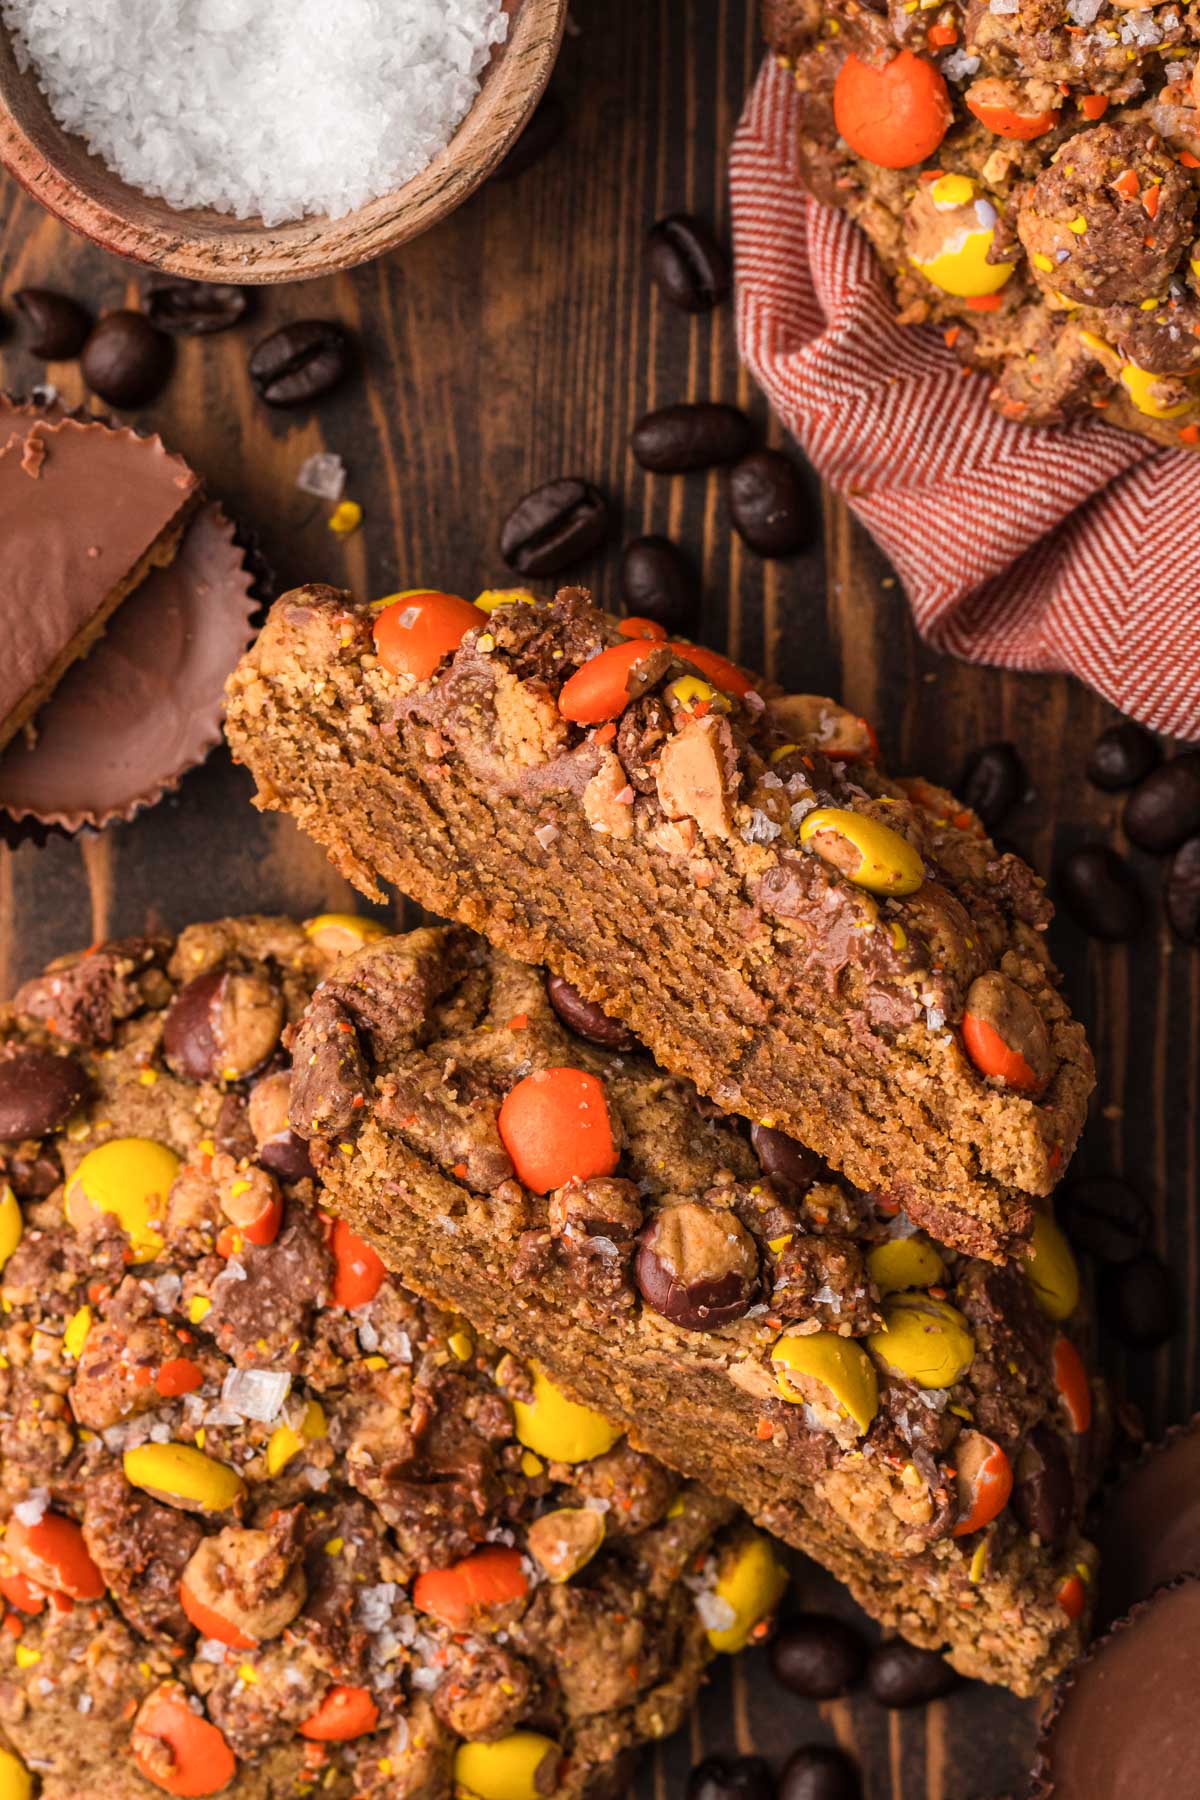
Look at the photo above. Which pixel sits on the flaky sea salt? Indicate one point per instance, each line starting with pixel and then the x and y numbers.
pixel 256 1393
pixel 270 107
pixel 323 475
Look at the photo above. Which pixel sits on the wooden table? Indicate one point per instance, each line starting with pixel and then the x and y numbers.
pixel 517 342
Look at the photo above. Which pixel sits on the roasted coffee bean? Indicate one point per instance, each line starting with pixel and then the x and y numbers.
pixel 194 308
pixel 992 782
pixel 687 264
pixel 1043 1495
pixel 557 524
pixel 697 1266
pixel 658 582
pixel 38 1092
pixel 300 362
pixel 1137 1302
pixel 693 435
pixel 1181 892
pixel 1121 756
pixel 56 326
pixel 731 1778
pixel 543 131
pixel 125 360
pixel 818 1656
pixel 223 1025
pixel 783 1159
pixel 1101 892
pixel 1164 808
pixel 585 1018
pixel 768 504
pixel 899 1674
pixel 819 1772
pixel 1105 1217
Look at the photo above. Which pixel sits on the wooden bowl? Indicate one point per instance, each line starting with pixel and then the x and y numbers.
pixel 58 170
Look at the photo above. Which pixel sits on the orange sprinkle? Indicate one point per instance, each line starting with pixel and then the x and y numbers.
pixel 984 302
pixel 942 35
pixel 1127 184
pixel 951 335
pixel 460 1169
pixel 14 1624
pixel 606 734
pixel 764 1430
pixel 1189 434
pixel 1150 201
pixel 519 1022
pixel 1093 106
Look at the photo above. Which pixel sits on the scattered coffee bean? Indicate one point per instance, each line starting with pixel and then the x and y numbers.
pixel 38 1092
pixel 1043 1496
pixel 1181 892
pixel 687 264
pixel 992 782
pixel 697 1266
pixel 819 1772
pixel 694 435
pixel 782 1158
pixel 194 308
pixel 1137 1302
pixel 658 582
pixel 818 1656
pixel 300 362
pixel 900 1674
pixel 768 504
pixel 1104 1216
pixel 1164 808
pixel 731 1778
pixel 1121 756
pixel 125 360
pixel 585 1018
pixel 56 326
pixel 1101 891
pixel 557 524
pixel 543 131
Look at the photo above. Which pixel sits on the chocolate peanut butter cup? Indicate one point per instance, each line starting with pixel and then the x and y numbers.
pixel 1149 1526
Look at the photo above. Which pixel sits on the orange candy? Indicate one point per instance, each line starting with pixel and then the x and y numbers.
pixel 1074 1389
pixel 179 1375
pixel 985 1480
pixel 1072 1596
pixel 345 1712
pixel 264 1227
pixel 633 627
pixel 455 1595
pixel 1093 106
pixel 20 1592
pixel 555 1126
pixel 52 1554
pixel 359 1272
pixel 992 1056
pixel 210 1623
pixel 600 689
pixel 1006 122
pixel 201 1761
pixel 718 669
pixel 416 632
pixel 896 115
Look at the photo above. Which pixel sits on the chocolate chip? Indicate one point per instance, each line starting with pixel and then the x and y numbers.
pixel 1105 1217
pixel 1101 892
pixel 1043 1496
pixel 992 782
pixel 38 1092
pixel 818 1656
pixel 768 504
pixel 687 264
pixel 820 1772
pixel 899 1674
pixel 543 131
pixel 1137 1302
pixel 223 1025
pixel 1181 892
pixel 1164 808
pixel 557 524
pixel 731 1778
pixel 125 360
pixel 1121 756
pixel 658 582
pixel 194 308
pixel 784 1160
pixel 300 362
pixel 57 326
pixel 697 1266
pixel 694 435
pixel 585 1018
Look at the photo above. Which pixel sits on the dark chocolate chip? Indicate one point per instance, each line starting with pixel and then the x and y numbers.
pixel 768 504
pixel 697 1266
pixel 125 360
pixel 992 782
pixel 557 524
pixel 1122 755
pixel 585 1018
pixel 1105 1217
pixel 1043 1496
pixel 784 1160
pixel 818 1656
pixel 1181 892
pixel 1137 1302
pixel 1164 807
pixel 899 1674
pixel 1101 892
pixel 731 1778
pixel 56 326
pixel 543 131
pixel 658 582
pixel 820 1772
pixel 300 362
pixel 194 308
pixel 693 435
pixel 38 1092
pixel 687 264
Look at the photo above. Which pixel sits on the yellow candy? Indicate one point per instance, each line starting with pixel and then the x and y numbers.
pixel 12 1225
pixel 508 1769
pixel 952 190
pixel 16 1783
pixel 345 518
pixel 75 1335
pixel 339 933
pixel 1051 1269
pixel 923 1340
pixel 961 267
pixel 689 691
pixel 183 1476
pixel 904 1263
pixel 282 1445
pixel 129 1178
pixel 838 1363
pixel 564 1541
pixel 872 855
pixel 1140 384
pixel 751 1580
pixel 559 1429
pixel 491 598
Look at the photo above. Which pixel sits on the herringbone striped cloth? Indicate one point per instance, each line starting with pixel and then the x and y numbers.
pixel 1072 549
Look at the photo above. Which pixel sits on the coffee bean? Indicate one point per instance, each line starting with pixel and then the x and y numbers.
pixel 585 1018
pixel 543 131
pixel 658 582
pixel 1121 756
pixel 992 782
pixel 731 1778
pixel 1137 1302
pixel 125 360
pixel 557 524
pixel 1043 1495
pixel 694 435
pixel 1164 808
pixel 687 264
pixel 1105 1217
pixel 818 1656
pixel 1101 891
pixel 1181 891
pixel 819 1772
pixel 57 326
pixel 899 1674
pixel 300 362
pixel 194 308
pixel 784 1160
pixel 768 504
pixel 38 1092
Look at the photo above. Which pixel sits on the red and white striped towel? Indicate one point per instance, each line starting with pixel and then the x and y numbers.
pixel 1071 549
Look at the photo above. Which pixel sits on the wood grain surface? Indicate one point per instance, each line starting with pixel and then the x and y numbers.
pixel 517 342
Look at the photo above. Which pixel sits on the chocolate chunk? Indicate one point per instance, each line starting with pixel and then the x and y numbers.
pixel 658 582
pixel 330 1074
pixel 585 1018
pixel 1181 892
pixel 1101 892
pixel 300 362
pixel 543 131
pixel 697 1266
pixel 992 782
pixel 1105 1217
pixel 900 1674
pixel 731 1778
pixel 125 360
pixel 555 525
pixel 1164 808
pixel 693 435
pixel 687 264
pixel 38 1092
pixel 1121 756
pixel 1043 1496
pixel 223 1025
pixel 818 1656
pixel 57 326
pixel 768 504
pixel 1149 1530
pixel 1137 1301
pixel 782 1159
pixel 194 308
pixel 819 1772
